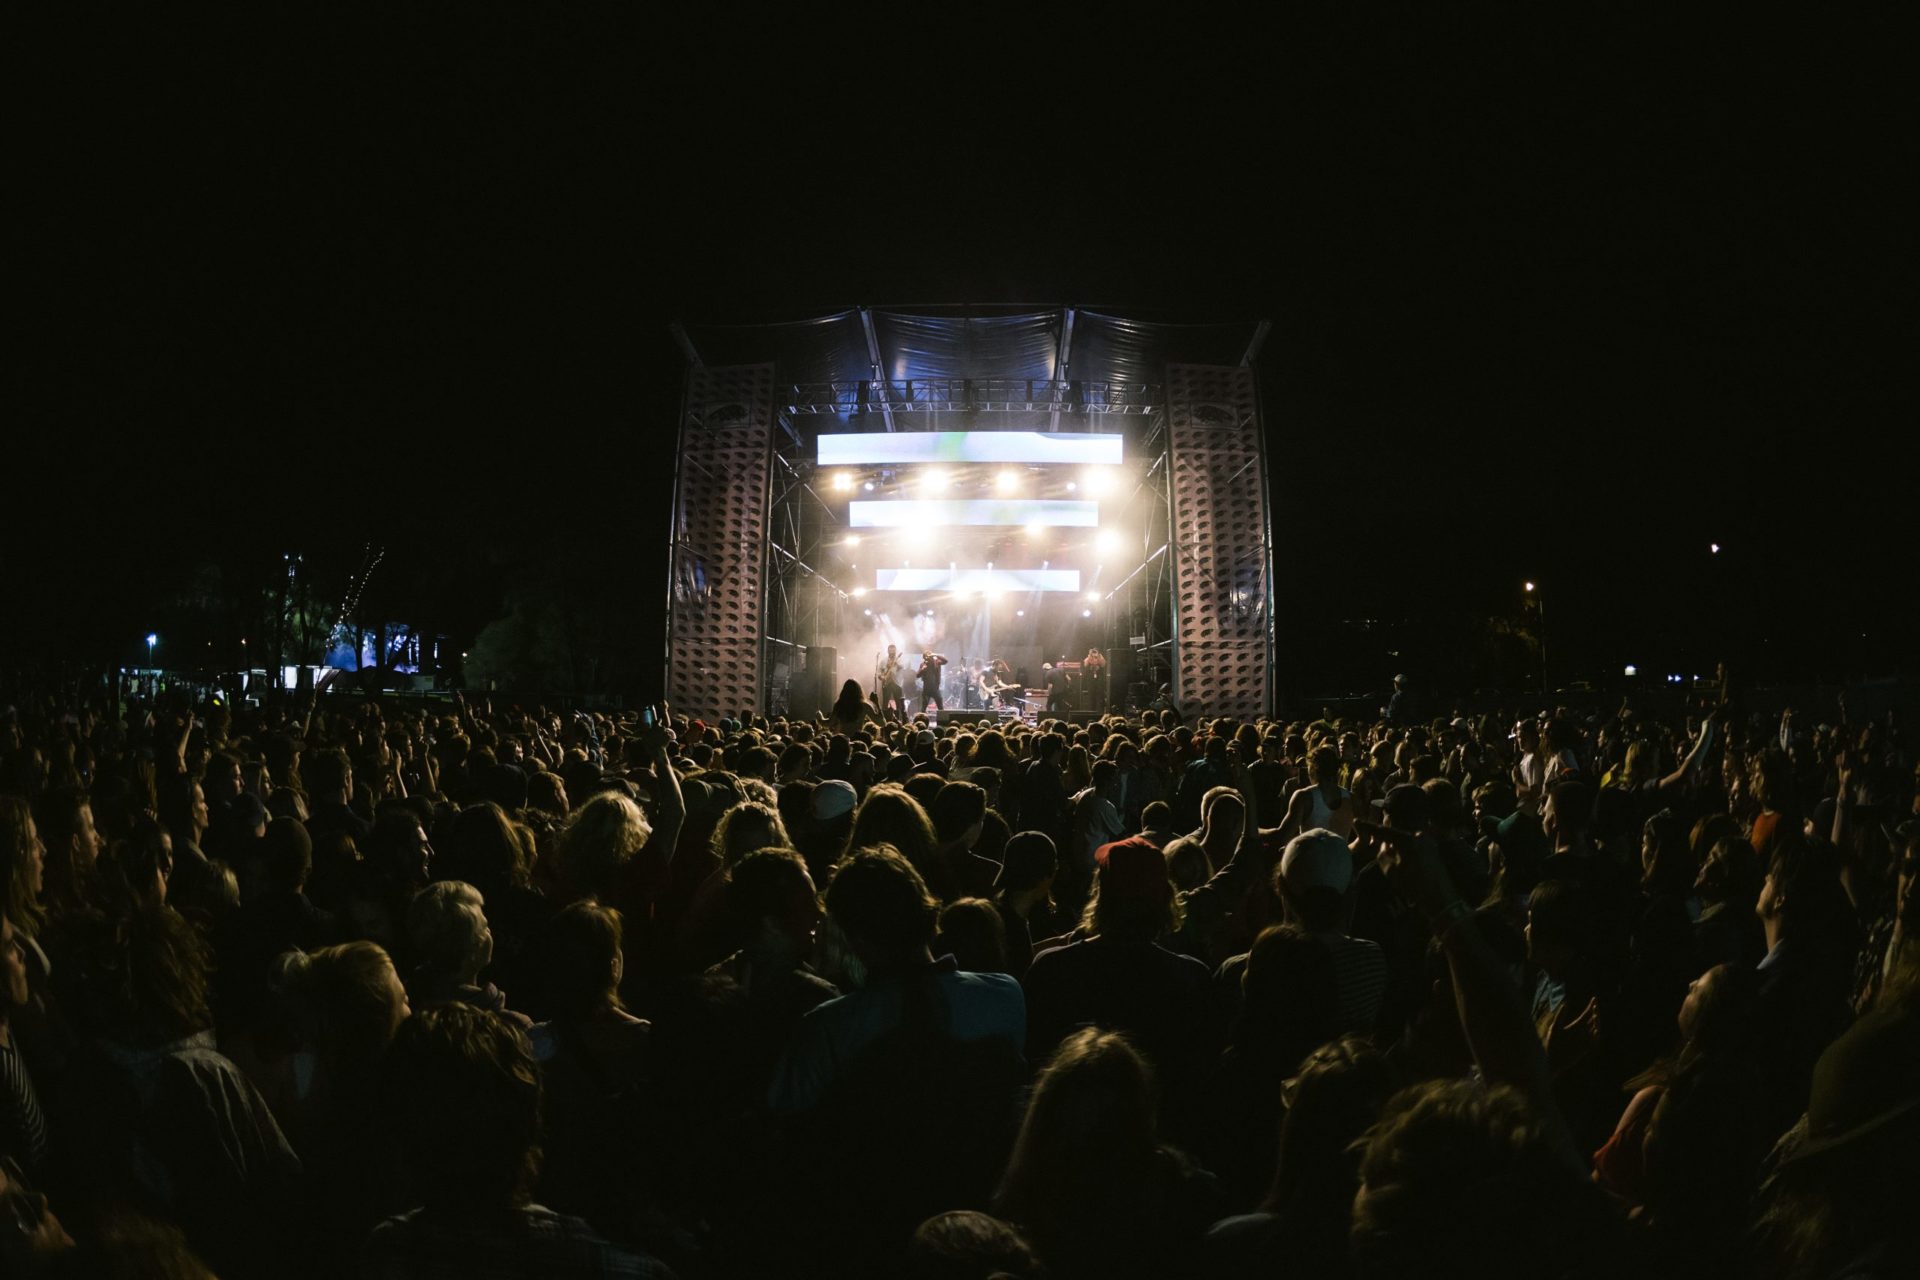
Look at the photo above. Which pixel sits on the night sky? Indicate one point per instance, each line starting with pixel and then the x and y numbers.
pixel 1551 303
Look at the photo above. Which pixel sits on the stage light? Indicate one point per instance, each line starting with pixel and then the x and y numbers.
pixel 1108 541
pixel 1715 548
pixel 1529 586
pixel 842 482
pixel 902 513
pixel 1086 613
pixel 858 592
pixel 1097 482
pixel 869 613
pixel 851 540
pixel 868 486
pixel 936 478
pixel 1019 613
pixel 1007 481
pixel 1093 597
pixel 1036 529
pixel 1072 487
pixel 1632 670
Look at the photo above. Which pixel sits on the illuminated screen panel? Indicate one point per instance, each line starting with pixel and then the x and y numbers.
pixel 894 448
pixel 931 512
pixel 982 580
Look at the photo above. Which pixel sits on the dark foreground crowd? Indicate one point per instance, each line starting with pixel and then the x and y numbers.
pixel 485 990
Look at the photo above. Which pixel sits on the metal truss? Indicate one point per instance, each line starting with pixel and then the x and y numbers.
pixel 802 604
pixel 973 395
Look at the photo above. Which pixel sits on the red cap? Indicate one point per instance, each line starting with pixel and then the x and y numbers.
pixel 1133 868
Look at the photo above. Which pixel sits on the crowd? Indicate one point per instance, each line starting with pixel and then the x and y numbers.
pixel 338 987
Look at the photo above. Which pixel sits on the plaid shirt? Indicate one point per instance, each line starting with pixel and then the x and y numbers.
pixel 533 1241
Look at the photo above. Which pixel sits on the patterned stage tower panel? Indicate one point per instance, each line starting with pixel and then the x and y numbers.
pixel 720 541
pixel 1222 564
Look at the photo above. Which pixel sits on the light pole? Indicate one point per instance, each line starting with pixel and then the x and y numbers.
pixel 152 640
pixel 1540 604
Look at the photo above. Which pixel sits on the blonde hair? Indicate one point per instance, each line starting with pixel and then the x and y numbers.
pixel 601 836
pixel 447 928
pixel 745 827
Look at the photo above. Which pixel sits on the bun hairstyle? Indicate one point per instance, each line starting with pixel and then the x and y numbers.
pixel 337 1000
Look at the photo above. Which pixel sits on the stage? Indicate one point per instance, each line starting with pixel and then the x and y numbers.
pixel 1072 500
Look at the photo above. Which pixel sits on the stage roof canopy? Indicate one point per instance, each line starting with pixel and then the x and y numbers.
pixel 899 344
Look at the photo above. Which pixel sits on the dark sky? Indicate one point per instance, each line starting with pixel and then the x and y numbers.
pixel 1549 301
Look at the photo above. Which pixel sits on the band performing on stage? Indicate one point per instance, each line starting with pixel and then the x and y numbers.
pixel 989 685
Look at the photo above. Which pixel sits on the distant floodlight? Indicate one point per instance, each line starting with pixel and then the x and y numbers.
pixel 152 640
pixel 1007 481
pixel 1632 670
pixel 1714 547
pixel 1107 541
pixel 1529 586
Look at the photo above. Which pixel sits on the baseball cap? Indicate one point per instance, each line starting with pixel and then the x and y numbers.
pixel 1133 868
pixel 924 738
pixel 833 798
pixel 1406 804
pixel 1317 860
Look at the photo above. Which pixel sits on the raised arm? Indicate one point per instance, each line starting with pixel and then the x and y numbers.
pixel 1695 757
pixel 671 805
pixel 1495 1023
pixel 1209 905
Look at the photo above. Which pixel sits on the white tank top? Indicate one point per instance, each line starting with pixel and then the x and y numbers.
pixel 1337 820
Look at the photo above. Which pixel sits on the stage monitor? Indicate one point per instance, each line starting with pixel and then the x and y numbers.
pixel 976 580
pixel 934 512
pixel 897 448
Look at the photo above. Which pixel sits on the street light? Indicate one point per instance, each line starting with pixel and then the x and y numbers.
pixel 1540 603
pixel 152 640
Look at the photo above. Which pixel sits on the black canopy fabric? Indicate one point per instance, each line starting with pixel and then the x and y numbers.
pixel 919 343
